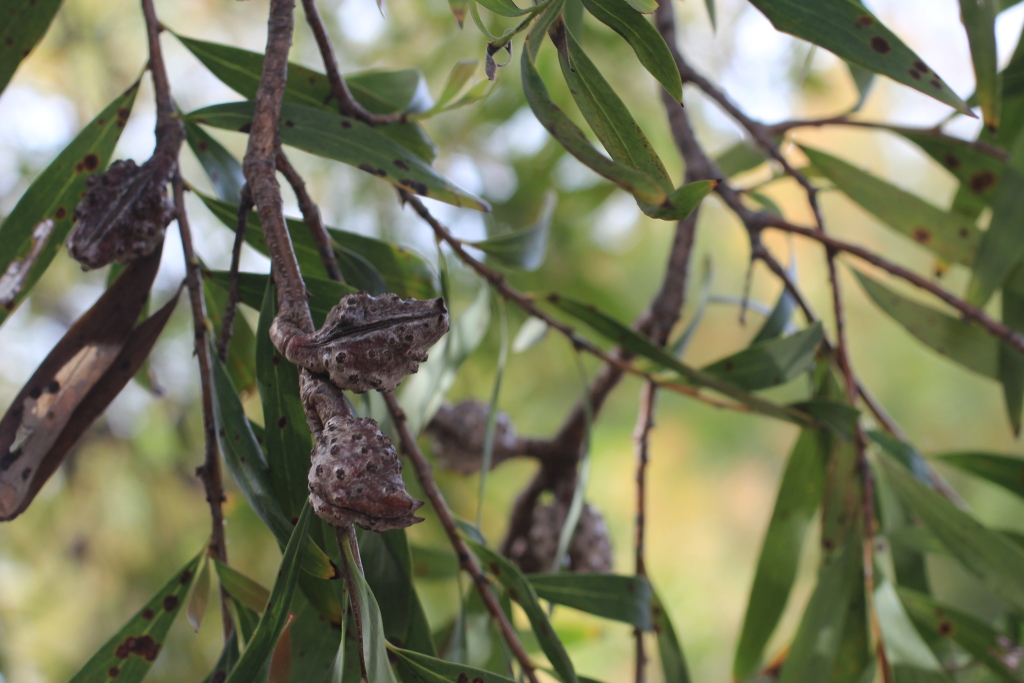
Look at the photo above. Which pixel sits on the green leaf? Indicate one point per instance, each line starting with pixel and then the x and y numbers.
pixel 337 137
pixel 228 659
pixel 530 332
pixel 457 78
pixel 242 588
pixel 1003 243
pixel 25 23
pixel 424 669
pixel 771 362
pixel 993 649
pixel 631 341
pixel 977 170
pixel 798 500
pixel 647 43
pixel 739 158
pixel 604 111
pixel 458 8
pixel 673 663
pixel 575 142
pixel 682 201
pixel 1011 363
pixel 1005 470
pixel 818 640
pixel 404 272
pixel 200 597
pixel 314 644
pixel 778 320
pixel 324 294
pixel 852 32
pixel 424 392
pixel 863 79
pixel 951 236
pixel 505 8
pixel 221 167
pixel 381 92
pixel 958 340
pixel 130 653
pixel 241 360
pixel 907 653
pixel 990 555
pixel 644 6
pixel 612 596
pixel 286 437
pixel 374 645
pixel 274 617
pixel 979 19
pixel 431 563
pixel 523 249
pixel 520 590
pixel 56 191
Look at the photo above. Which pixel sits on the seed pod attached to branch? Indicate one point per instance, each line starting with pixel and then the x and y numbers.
pixel 459 432
pixel 590 550
pixel 124 213
pixel 366 342
pixel 356 478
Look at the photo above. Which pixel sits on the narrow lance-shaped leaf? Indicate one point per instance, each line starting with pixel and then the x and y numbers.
pixel 350 141
pixel 520 590
pixel 274 617
pixel 852 32
pixel 906 652
pixel 522 249
pixel 951 236
pixel 979 19
pixel 798 499
pixel 24 25
pixel 241 587
pixel 991 556
pixel 1011 363
pixel 374 645
pixel 628 339
pixel 200 597
pixel 575 142
pixel 1002 246
pixel 997 652
pixel 56 191
pixel 74 384
pixel 425 669
pixel 647 43
pixel 324 294
pixel 130 653
pixel 1004 470
pixel 221 167
pixel 958 340
pixel 612 596
pixel 771 362
pixel 670 650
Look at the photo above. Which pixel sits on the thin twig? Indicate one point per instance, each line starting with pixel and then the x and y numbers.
pixel 311 217
pixel 347 104
pixel 241 226
pixel 644 425
pixel 169 135
pixel 467 560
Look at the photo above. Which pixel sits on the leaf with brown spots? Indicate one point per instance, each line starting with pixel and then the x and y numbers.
pixel 520 590
pixel 850 31
pixel 56 191
pixel 132 650
pixel 950 236
pixel 24 25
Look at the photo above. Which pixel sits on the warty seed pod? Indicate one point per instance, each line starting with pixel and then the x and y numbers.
pixel 458 433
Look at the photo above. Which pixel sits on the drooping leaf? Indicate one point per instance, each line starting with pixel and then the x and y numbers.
pixel 771 362
pixel 739 158
pixel 241 587
pixel 647 43
pixel 997 652
pixel 670 651
pixel 906 652
pixel 227 660
pixel 630 340
pixel 1011 363
pixel 402 271
pixel 863 79
pixel 56 191
pixel 75 383
pixel 904 452
pixel 612 596
pixel 200 597
pixel 951 236
pixel 324 294
pixel 778 321
pixel 530 332
pixel 458 8
pixel 241 358
pixel 504 8
pixel 979 19
pixel 432 563
pixel 422 668
pixel 1002 246
pixel 223 169
pixel 374 645
pixel 24 25
pixel 520 590
pixel 260 647
pixel 130 653
pixel 575 142
pixel 798 499
pixel 958 340
pixel 812 656
pixel 314 643
pixel 1004 470
pixel 424 392
pixel 350 141
pixel 522 249
pixel 991 556
pixel 852 32
pixel 381 92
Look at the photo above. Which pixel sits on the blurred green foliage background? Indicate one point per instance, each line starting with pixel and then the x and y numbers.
pixel 109 527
